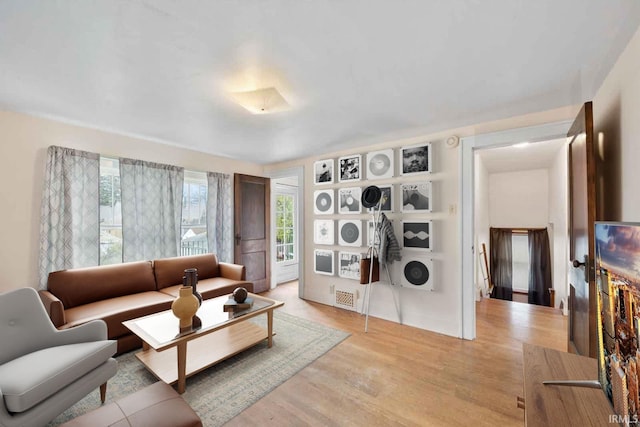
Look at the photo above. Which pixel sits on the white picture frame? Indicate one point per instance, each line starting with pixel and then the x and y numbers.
pixel 323 232
pixel 350 168
pixel 349 200
pixel 323 172
pixel 350 232
pixel 380 164
pixel 415 159
pixel 349 265
pixel 323 262
pixel 416 197
pixel 323 202
pixel 417 234
pixel 417 272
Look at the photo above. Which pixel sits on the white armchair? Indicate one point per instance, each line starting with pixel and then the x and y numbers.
pixel 44 371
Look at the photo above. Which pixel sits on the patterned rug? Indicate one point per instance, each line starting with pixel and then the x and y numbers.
pixel 226 389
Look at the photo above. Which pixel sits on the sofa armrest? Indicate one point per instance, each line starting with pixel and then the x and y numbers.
pixel 54 308
pixel 232 271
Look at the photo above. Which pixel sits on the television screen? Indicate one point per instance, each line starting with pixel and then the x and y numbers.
pixel 617 266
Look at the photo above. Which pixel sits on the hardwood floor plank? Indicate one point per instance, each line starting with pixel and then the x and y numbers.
pixel 397 375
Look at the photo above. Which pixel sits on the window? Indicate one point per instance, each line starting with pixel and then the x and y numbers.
pixel 285 228
pixel 520 262
pixel 110 212
pixel 194 214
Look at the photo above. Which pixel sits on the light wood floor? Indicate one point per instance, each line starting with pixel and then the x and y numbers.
pixel 397 375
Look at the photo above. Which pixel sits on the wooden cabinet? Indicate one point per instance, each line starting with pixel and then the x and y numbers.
pixel 552 405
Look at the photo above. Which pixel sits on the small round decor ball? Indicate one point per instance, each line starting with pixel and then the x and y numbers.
pixel 240 294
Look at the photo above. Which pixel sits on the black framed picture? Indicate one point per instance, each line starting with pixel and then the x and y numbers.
pixel 415 159
pixel 323 171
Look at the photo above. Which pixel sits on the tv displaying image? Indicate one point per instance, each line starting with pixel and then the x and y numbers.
pixel 617 267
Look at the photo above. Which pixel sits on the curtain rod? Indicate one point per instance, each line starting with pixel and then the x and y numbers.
pixel 519 230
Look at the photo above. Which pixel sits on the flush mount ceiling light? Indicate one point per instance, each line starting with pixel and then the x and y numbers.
pixel 261 101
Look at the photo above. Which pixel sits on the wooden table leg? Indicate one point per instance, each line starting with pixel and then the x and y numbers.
pixel 182 367
pixel 270 328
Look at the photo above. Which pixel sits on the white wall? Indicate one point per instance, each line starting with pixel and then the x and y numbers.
pixel 481 219
pixel 23 146
pixel 519 199
pixel 559 226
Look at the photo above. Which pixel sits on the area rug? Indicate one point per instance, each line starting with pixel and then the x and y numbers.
pixel 226 389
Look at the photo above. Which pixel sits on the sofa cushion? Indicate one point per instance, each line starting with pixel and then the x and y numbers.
pixel 32 378
pixel 80 286
pixel 169 271
pixel 114 311
pixel 211 288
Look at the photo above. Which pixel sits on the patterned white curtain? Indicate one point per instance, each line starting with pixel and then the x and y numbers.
pixel 220 216
pixel 69 222
pixel 151 209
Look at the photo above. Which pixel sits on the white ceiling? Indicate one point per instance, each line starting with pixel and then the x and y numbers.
pixel 538 155
pixel 356 72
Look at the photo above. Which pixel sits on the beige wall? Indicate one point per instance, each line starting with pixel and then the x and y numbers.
pixel 616 110
pixel 23 146
pixel 440 310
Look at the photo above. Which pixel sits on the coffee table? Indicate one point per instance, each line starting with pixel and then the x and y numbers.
pixel 172 356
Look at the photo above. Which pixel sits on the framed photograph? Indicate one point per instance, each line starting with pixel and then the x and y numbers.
pixel 323 202
pixel 417 235
pixel 416 272
pixel 380 164
pixel 415 159
pixel 349 265
pixel 350 232
pixel 386 199
pixel 350 168
pixel 323 261
pixel 416 197
pixel 323 232
pixel 349 200
pixel 323 171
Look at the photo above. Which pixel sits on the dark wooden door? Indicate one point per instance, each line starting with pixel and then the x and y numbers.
pixel 582 215
pixel 252 199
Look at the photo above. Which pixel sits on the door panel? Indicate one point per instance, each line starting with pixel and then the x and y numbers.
pixel 252 228
pixel 582 215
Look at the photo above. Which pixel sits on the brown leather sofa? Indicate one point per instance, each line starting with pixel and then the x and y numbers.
pixel 115 293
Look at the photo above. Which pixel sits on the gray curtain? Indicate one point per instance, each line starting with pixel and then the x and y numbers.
pixel 151 209
pixel 539 267
pixel 501 263
pixel 69 222
pixel 220 216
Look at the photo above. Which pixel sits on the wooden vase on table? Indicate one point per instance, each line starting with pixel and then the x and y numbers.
pixel 185 307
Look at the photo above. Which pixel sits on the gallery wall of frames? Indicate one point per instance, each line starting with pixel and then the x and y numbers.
pixel 343 229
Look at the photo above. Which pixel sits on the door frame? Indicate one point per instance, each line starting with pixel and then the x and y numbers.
pixel 297 171
pixel 466 183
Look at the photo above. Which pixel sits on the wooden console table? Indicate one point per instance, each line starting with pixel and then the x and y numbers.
pixel 552 405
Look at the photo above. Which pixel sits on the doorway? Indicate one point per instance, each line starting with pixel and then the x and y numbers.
pixel 287 205
pixel 470 213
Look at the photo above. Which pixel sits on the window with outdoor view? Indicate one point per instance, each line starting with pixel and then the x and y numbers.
pixel 110 212
pixel 194 214
pixel 285 228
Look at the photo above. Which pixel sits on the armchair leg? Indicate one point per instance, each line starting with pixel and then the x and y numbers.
pixel 103 392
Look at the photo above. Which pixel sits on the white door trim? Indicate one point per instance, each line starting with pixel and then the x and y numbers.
pixel 466 193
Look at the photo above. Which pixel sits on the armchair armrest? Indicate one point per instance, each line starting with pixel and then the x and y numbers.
pixel 54 308
pixel 232 271
pixel 95 330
